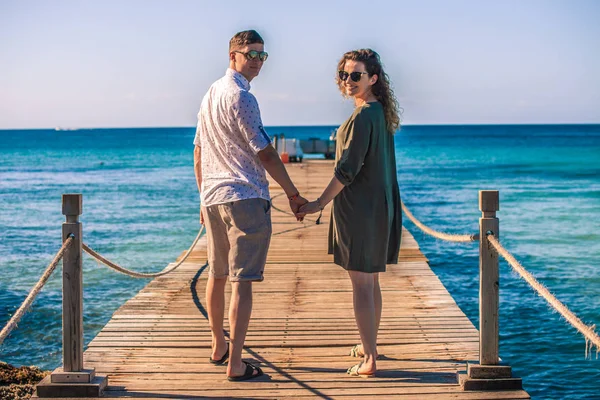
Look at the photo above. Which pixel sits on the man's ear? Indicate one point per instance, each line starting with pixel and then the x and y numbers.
pixel 231 56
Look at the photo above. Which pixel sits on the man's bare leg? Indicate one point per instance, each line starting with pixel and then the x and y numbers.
pixel 240 310
pixel 215 304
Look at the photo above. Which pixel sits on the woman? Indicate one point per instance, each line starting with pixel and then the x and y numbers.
pixel 366 221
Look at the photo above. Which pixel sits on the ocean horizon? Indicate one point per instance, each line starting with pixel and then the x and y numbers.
pixel 140 203
pixel 440 124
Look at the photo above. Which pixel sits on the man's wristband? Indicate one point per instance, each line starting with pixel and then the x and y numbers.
pixel 294 196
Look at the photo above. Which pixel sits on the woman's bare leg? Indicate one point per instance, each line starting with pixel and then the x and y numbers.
pixel 378 301
pixel 363 285
pixel 378 308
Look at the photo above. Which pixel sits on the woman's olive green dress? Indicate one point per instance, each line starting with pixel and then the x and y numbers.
pixel 366 218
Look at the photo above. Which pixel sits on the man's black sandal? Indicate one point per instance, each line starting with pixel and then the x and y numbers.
pixel 222 360
pixel 249 374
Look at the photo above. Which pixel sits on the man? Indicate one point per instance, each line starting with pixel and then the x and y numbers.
pixel 230 158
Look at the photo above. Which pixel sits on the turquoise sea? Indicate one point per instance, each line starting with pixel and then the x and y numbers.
pixel 141 209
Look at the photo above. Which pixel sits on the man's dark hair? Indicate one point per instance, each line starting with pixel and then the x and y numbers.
pixel 244 38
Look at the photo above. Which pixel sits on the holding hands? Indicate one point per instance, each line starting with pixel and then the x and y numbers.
pixel 301 207
pixel 296 201
pixel 310 208
pixel 332 190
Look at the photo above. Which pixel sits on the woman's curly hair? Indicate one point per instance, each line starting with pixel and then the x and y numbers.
pixel 382 89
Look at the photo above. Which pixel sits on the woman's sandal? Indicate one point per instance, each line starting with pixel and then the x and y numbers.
pixel 248 374
pixel 356 353
pixel 353 371
pixel 222 360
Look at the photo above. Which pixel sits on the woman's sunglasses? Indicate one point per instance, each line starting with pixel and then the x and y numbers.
pixel 253 55
pixel 355 76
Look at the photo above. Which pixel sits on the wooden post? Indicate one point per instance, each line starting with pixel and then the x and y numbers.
pixel 488 279
pixel 72 286
pixel 72 380
pixel 488 373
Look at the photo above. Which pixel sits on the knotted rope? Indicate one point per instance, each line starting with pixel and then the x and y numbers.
pixel 449 237
pixel 591 337
pixel 134 274
pixel 12 323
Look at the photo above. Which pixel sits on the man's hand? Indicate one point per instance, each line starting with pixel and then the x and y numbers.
pixel 201 216
pixel 295 206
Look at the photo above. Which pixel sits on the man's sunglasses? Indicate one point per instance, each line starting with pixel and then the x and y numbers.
pixel 253 55
pixel 355 76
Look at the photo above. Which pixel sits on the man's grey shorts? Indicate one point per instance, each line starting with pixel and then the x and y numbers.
pixel 239 234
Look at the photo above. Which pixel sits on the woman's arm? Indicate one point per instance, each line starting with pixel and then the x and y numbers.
pixel 332 190
pixel 350 162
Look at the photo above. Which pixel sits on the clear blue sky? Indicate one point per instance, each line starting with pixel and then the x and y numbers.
pixel 148 63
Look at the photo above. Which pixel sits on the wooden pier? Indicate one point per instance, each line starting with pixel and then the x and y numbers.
pixel 157 344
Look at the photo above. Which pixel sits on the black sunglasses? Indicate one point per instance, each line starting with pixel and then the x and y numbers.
pixel 355 76
pixel 253 55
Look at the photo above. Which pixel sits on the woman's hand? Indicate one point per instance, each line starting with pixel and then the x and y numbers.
pixel 309 208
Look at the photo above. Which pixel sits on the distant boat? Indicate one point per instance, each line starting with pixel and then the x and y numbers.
pixel 60 128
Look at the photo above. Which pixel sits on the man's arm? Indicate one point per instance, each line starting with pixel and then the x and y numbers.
pixel 272 163
pixel 254 133
pixel 198 173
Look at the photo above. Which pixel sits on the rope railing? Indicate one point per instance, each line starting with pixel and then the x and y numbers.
pixel 591 337
pixel 489 251
pixel 449 237
pixel 588 332
pixel 134 274
pixel 66 381
pixel 12 323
